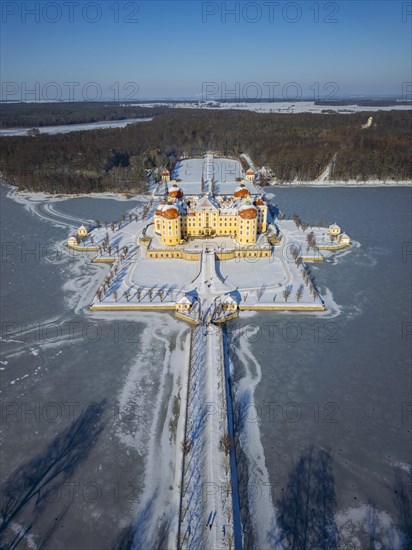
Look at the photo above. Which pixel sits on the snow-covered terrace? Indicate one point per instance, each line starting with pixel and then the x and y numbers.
pixel 190 173
pixel 225 172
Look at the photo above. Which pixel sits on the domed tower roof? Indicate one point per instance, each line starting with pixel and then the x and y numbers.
pixel 260 202
pixel 175 191
pixel 248 211
pixel 159 209
pixel 170 211
pixel 241 192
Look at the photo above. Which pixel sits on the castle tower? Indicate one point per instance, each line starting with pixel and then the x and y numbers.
pixel 170 226
pixel 250 175
pixel 262 215
pixel 241 192
pixel 175 191
pixel 247 224
pixel 165 175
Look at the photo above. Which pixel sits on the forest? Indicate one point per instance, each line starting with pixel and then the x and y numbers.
pixel 29 115
pixel 291 145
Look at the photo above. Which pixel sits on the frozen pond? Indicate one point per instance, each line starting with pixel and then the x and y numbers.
pixel 330 390
pixel 66 128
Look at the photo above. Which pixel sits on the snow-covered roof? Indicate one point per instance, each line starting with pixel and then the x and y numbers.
pixel 175 190
pixel 185 299
pixel 260 202
pixel 246 206
pixel 170 211
pixel 241 190
pixel 207 201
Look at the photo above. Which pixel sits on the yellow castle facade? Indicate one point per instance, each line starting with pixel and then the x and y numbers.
pixel 240 217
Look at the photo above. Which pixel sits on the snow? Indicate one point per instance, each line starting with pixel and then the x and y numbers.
pixel 206 508
pixel 223 171
pixel 251 273
pixel 343 183
pixel 67 128
pixel 261 510
pixel 189 478
pixel 158 272
pixel 288 107
pixel 190 172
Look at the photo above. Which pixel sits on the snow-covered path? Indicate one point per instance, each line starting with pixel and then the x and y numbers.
pixel 206 512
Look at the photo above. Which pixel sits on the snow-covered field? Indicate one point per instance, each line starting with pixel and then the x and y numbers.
pixel 158 272
pixel 252 273
pixel 223 171
pixel 281 107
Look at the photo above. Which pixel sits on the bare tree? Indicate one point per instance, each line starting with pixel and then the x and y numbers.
pixel 287 292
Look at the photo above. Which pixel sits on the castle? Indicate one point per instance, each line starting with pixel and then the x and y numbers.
pixel 238 216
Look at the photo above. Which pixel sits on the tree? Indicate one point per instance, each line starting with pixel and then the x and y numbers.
pixel 299 293
pixel 287 292
pixel 297 220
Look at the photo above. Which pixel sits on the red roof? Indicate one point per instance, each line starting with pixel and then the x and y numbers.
pixel 241 192
pixel 248 213
pixel 170 212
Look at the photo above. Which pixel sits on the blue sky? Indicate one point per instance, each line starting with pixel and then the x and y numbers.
pixel 179 48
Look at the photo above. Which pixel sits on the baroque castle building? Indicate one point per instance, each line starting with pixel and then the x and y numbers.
pixel 238 216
